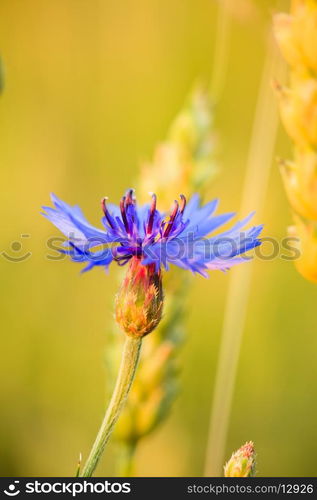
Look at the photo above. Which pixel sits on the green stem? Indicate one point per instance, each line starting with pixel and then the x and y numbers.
pixel 129 361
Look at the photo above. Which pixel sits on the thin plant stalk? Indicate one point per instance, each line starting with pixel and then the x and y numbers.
pixel 254 193
pixel 129 361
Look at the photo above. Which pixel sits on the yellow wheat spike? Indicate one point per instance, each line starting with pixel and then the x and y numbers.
pixel 296 34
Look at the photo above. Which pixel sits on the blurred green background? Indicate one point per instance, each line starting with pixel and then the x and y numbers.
pixel 91 86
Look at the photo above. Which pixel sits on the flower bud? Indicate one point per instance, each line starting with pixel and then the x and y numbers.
pixel 242 462
pixel 139 302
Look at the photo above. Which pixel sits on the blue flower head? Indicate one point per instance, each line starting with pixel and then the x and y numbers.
pixel 151 240
pixel 184 237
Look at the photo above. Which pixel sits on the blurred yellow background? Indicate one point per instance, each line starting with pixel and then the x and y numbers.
pixel 91 86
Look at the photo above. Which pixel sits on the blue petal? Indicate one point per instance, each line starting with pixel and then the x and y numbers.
pixel 100 258
pixel 219 252
pixel 201 220
pixel 72 223
pixel 207 226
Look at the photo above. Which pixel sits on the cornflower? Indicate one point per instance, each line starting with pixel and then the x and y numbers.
pixel 148 241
